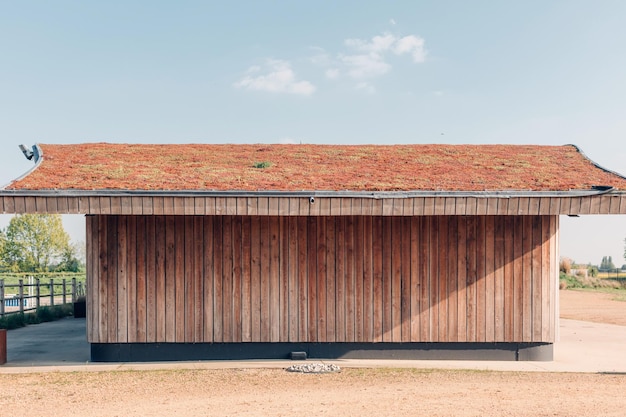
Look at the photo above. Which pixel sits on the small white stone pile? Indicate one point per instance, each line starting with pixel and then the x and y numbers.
pixel 314 368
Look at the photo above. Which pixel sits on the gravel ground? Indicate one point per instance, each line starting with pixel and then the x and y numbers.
pixel 348 392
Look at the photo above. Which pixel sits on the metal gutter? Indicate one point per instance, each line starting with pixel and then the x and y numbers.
pixel 376 195
pixel 580 151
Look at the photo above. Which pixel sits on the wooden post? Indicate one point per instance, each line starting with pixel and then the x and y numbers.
pixel 21 296
pixel 37 292
pixel 1 297
pixel 73 290
pixel 51 291
pixel 3 345
pixel 64 290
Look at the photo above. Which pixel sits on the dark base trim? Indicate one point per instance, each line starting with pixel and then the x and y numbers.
pixel 151 352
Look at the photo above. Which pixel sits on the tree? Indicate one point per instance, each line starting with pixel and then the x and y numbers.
pixel 607 263
pixel 69 261
pixel 34 241
pixel 3 241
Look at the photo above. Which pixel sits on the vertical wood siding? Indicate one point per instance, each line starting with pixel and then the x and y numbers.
pixel 192 279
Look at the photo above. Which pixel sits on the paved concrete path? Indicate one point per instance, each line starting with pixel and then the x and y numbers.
pixel 62 346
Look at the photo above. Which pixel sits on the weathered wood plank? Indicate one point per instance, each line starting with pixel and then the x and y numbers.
pixel 492 206
pixel 387 300
pixel 499 279
pixel 104 279
pixel 509 259
pixel 313 257
pixel 377 277
pixel 490 284
pixel 158 278
pixel 112 292
pixel 368 280
pixel 481 284
pixel 217 267
pixel 330 278
pixel 321 279
pixel 536 278
pixel 255 278
pixel 209 278
pixel 554 278
pixel 503 206
pixel 453 271
pixel 132 283
pixel 395 231
pixel 518 278
pixel 424 278
pixel 481 206
pixel 462 279
pixel 340 279
pixel 471 279
pixel 546 233
pixel 253 206
pixel 93 278
pixel 246 279
pixel 434 279
pixel 265 278
pixel 151 279
pixel 179 262
pixel 189 277
pixel 122 281
pixel 533 206
pixel 441 258
pixel 302 294
pixel 354 279
pixel 523 205
pixel 237 277
pixel 274 277
pixel 414 262
pixel 51 204
pixel 170 279
pixel 405 277
pixel 283 277
pixel 227 280
pixel 41 204
pixel 527 279
pixel 198 277
pixel 141 280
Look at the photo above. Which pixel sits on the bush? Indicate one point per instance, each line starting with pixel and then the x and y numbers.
pixel 41 315
pixel 569 281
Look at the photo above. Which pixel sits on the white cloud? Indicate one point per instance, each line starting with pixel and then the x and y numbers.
pixel 278 78
pixel 365 66
pixel 332 73
pixel 366 87
pixel 411 45
pixel 392 21
pixel 371 61
pixel 377 44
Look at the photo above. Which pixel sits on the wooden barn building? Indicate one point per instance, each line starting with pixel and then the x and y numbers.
pixel 256 251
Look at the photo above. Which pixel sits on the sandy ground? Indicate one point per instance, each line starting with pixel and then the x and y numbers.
pixel 351 392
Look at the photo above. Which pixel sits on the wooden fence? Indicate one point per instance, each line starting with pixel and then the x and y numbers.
pixel 23 297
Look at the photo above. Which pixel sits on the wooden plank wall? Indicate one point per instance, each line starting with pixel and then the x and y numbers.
pixel 322 279
pixel 614 203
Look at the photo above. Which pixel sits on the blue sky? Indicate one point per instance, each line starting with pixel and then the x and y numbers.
pixel 533 72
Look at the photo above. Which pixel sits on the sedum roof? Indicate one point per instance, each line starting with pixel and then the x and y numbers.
pixel 361 168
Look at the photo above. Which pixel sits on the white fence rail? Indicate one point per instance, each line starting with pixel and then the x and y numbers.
pixel 23 297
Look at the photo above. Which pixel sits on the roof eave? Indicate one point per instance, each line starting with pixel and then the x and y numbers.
pixel 600 190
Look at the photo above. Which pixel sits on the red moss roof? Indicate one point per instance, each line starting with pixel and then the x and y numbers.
pixel 105 166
